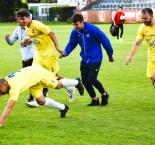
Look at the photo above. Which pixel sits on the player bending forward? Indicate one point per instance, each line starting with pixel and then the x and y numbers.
pixel 34 78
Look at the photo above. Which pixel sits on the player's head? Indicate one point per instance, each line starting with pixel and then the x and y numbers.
pixel 4 87
pixel 120 9
pixel 78 22
pixel 147 16
pixel 23 15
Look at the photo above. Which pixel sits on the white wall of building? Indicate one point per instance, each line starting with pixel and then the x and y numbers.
pixel 81 3
pixel 42 8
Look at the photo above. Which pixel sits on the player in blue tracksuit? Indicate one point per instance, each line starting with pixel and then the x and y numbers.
pixel 91 39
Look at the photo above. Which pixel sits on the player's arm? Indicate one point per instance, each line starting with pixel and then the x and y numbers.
pixel 114 20
pixel 55 41
pixel 71 44
pixel 133 50
pixel 13 38
pixel 7 111
pixel 10 40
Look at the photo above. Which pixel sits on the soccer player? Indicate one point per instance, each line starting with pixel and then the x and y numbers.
pixel 43 38
pixel 34 78
pixel 146 31
pixel 119 23
pixel 90 38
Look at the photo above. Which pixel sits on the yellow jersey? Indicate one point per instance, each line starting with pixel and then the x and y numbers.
pixel 148 33
pixel 34 78
pixel 38 33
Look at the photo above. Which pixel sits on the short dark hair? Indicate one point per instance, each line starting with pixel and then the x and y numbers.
pixel 147 10
pixel 2 80
pixel 77 17
pixel 23 13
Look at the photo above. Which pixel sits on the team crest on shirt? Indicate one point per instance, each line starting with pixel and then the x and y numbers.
pixel 87 35
pixel 33 31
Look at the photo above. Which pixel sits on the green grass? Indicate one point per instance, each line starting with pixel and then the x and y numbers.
pixel 129 118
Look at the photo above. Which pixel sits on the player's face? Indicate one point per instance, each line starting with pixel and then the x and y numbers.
pixel 26 21
pixel 120 9
pixel 78 25
pixel 19 21
pixel 146 19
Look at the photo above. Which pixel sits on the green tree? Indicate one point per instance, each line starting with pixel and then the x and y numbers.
pixel 8 8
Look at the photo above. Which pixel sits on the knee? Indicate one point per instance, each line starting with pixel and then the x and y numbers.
pixel 92 80
pixel 59 85
pixel 41 100
pixel 87 82
pixel 41 103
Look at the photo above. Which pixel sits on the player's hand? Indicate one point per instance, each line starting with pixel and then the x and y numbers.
pixel 26 41
pixel 62 54
pixel 6 36
pixel 128 60
pixel 111 59
pixel 24 44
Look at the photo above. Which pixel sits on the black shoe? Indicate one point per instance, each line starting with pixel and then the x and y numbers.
pixel 105 99
pixel 63 112
pixel 94 102
pixel 80 87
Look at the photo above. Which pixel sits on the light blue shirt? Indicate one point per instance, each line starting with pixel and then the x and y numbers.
pixel 26 52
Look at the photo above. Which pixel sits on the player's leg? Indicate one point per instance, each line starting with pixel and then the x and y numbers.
pixel 121 33
pixel 151 71
pixel 41 100
pixel 70 89
pixel 85 70
pixel 153 79
pixel 55 69
pixel 71 82
pixel 92 79
pixel 53 104
pixel 118 33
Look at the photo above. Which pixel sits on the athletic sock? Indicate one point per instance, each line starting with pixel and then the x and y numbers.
pixel 51 103
pixel 69 82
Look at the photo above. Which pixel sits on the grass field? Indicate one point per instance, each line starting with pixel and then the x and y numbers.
pixel 129 119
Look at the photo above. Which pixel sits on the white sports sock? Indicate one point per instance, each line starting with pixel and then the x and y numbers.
pixel 69 82
pixel 51 103
pixel 69 88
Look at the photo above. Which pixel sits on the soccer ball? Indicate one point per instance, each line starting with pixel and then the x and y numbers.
pixel 122 18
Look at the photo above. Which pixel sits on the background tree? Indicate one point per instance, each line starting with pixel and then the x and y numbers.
pixel 8 8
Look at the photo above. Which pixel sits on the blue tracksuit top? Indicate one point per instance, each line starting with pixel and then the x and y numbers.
pixel 90 42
